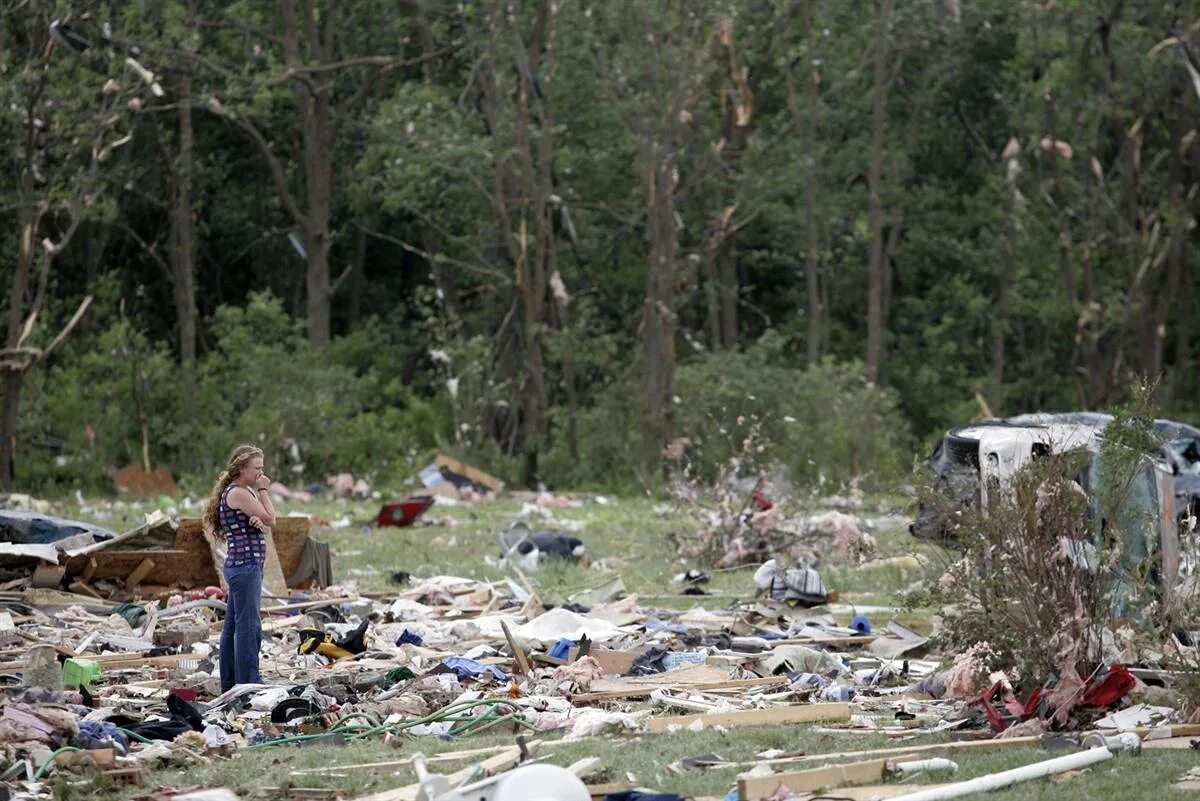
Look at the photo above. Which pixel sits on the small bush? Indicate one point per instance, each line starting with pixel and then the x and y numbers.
pixel 825 424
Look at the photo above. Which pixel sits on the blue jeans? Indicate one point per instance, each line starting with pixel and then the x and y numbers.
pixel 242 634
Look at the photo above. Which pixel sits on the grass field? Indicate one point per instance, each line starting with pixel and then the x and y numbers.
pixel 630 538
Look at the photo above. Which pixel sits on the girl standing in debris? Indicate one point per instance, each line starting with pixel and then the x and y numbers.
pixel 238 511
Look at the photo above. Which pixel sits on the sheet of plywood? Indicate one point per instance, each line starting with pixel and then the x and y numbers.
pixel 172 568
pixel 288 538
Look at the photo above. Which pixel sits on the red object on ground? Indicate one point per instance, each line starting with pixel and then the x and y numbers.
pixel 761 501
pixel 1115 685
pixel 186 693
pixel 403 513
pixel 1010 704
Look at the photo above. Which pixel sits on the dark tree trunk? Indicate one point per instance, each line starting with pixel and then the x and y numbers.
pixel 183 234
pixel 812 262
pixel 875 267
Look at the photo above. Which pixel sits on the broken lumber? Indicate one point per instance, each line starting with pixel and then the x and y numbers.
pixel 138 573
pixel 812 779
pixel 518 653
pixel 508 758
pixel 83 588
pixel 644 690
pixel 450 756
pixel 940 749
pixel 799 713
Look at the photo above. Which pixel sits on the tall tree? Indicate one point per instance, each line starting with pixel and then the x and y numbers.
pixel 655 76
pixel 69 119
pixel 875 267
pixel 329 85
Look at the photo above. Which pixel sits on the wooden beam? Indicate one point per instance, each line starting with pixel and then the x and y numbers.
pixel 508 758
pixel 644 691
pixel 936 749
pixel 140 572
pixel 451 756
pixel 85 589
pixel 518 653
pixel 89 570
pixel 806 781
pixel 798 713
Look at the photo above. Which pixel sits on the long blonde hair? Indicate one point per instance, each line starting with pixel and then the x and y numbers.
pixel 237 461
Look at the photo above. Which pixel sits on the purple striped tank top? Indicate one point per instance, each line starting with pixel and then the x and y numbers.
pixel 247 545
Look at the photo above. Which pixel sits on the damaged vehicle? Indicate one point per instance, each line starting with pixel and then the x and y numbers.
pixel 998 448
pixel 973 463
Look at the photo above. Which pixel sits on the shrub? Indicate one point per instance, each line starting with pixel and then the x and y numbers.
pixel 826 424
pixel 313 414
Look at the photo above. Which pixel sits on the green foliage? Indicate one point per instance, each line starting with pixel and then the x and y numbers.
pixel 1046 278
pixel 826 424
pixel 261 383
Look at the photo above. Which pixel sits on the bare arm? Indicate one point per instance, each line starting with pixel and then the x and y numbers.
pixel 253 505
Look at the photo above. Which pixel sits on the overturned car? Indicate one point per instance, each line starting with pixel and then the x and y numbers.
pixel 973 464
pixel 969 458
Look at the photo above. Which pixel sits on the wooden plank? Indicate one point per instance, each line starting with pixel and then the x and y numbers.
pixel 84 589
pixel 89 570
pixel 644 691
pixel 599 791
pixel 586 767
pixel 799 713
pixel 933 749
pixel 478 476
pixel 274 581
pixel 801 781
pixel 114 660
pixel 140 572
pixel 508 758
pixel 518 653
pixel 451 756
pixel 881 792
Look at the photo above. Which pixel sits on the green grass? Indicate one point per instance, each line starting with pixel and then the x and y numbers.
pixel 630 538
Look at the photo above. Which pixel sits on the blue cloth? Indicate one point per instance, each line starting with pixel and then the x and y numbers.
pixel 638 795
pixel 468 668
pixel 408 638
pixel 247 545
pixel 562 648
pixel 100 734
pixel 861 624
pixel 663 625
pixel 241 636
